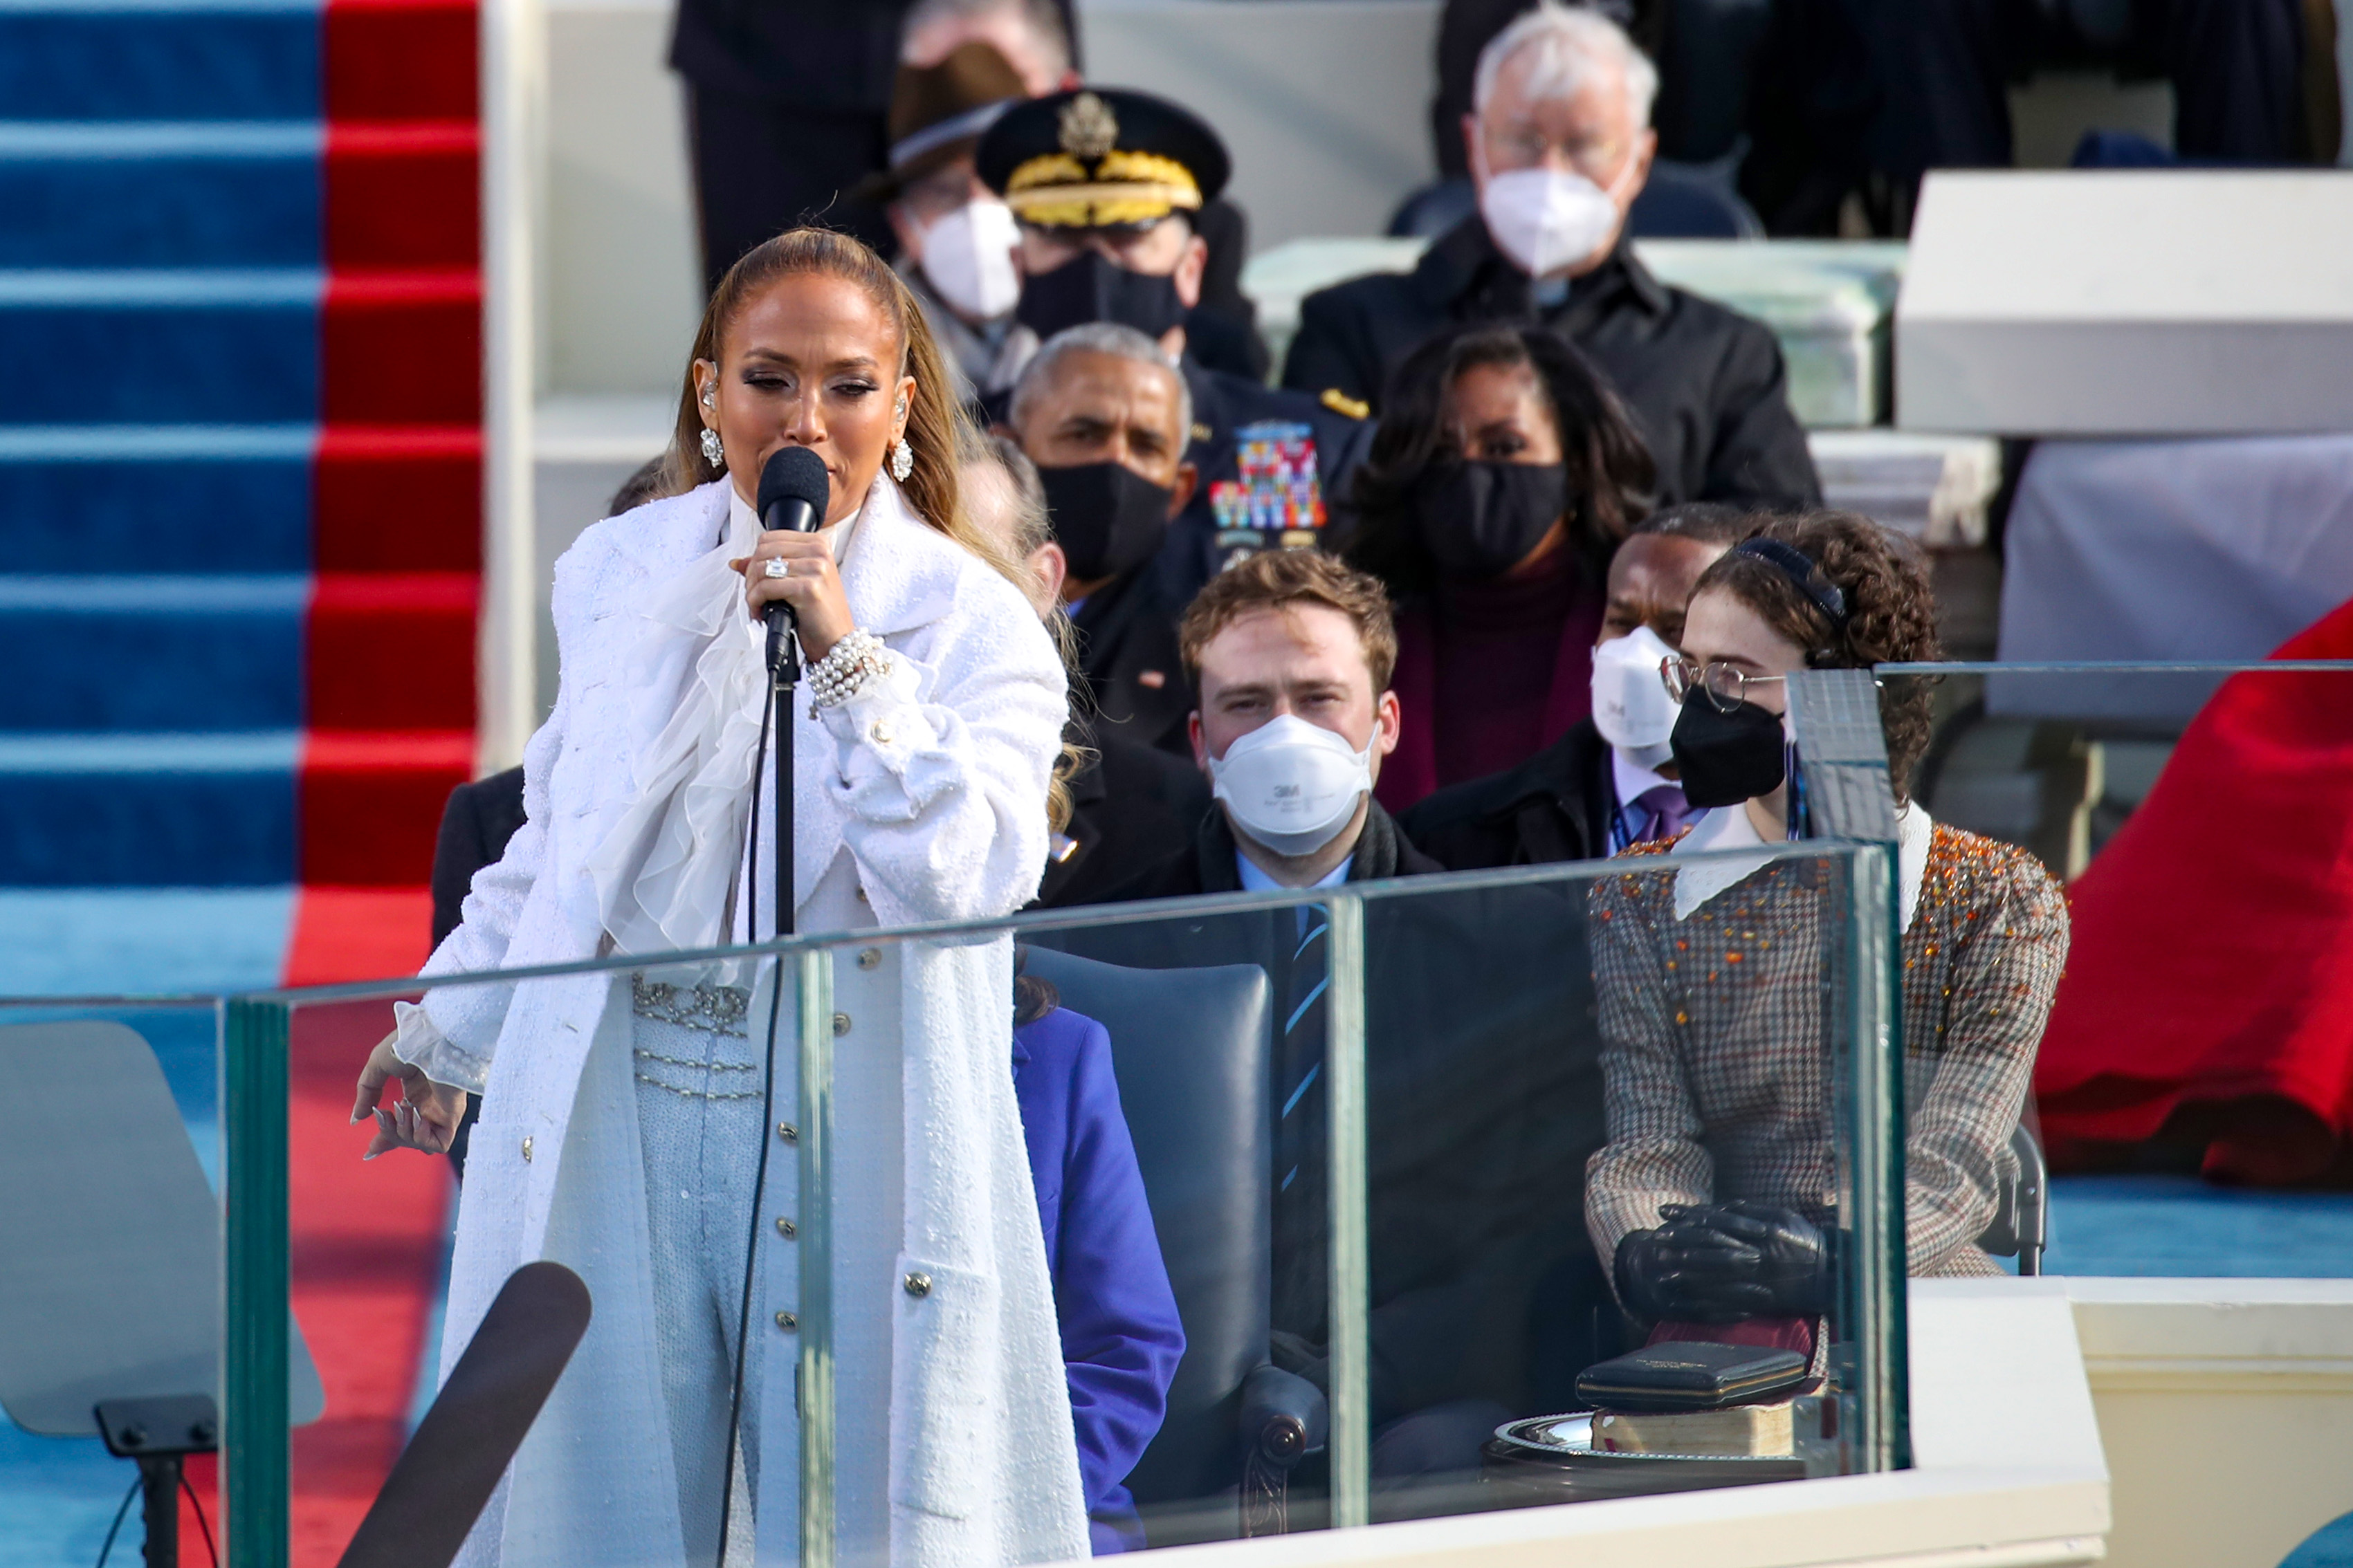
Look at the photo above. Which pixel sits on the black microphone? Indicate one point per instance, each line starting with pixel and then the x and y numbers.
pixel 444 1479
pixel 793 488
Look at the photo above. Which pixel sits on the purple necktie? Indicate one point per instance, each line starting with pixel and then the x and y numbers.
pixel 1664 811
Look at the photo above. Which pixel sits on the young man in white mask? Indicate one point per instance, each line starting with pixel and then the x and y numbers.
pixel 1610 781
pixel 1291 654
pixel 1481 1113
pixel 1561 144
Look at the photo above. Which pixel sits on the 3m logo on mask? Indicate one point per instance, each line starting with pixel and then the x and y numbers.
pixel 1291 785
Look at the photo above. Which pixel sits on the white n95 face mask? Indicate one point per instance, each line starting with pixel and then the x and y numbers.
pixel 1630 705
pixel 1291 785
pixel 1546 220
pixel 968 258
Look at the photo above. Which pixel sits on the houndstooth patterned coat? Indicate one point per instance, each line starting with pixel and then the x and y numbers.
pixel 1715 1066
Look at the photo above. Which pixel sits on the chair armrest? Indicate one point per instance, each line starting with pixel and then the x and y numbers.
pixel 1283 1416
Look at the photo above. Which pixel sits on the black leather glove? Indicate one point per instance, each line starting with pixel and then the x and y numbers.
pixel 1649 1271
pixel 1745 1259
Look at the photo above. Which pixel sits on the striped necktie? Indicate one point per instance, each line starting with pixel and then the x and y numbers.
pixel 1299 1142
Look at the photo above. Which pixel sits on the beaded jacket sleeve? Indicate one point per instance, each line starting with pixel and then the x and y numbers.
pixel 1715 1057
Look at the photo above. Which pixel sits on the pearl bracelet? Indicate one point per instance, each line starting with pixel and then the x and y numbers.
pixel 846 668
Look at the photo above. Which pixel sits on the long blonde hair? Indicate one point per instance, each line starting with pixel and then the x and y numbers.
pixel 940 436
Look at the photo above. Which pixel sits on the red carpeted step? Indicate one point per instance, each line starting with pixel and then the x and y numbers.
pixel 404 347
pixel 402 193
pixel 390 680
pixel 371 804
pixel 392 650
pixel 365 1247
pixel 398 498
pixel 400 59
pixel 358 934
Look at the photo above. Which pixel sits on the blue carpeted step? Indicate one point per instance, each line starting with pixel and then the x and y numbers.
pixel 73 941
pixel 159 59
pixel 171 194
pixel 127 652
pixel 156 498
pixel 138 810
pixel 159 347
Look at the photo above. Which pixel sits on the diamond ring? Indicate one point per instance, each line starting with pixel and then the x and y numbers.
pixel 775 568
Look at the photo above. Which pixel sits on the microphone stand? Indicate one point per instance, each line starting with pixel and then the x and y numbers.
pixel 784 680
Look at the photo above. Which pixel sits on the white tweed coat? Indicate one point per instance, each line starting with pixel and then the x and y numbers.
pixel 931 795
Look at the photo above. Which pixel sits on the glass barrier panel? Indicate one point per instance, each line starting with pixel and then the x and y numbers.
pixel 1604 1146
pixel 1283 1187
pixel 111 1299
pixel 2194 978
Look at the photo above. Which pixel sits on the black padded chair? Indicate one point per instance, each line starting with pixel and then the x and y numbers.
pixel 2021 1217
pixel 1190 1047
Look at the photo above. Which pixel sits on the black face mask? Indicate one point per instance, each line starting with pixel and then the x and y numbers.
pixel 1107 518
pixel 1726 758
pixel 1094 287
pixel 1478 521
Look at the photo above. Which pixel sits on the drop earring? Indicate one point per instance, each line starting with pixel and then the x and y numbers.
pixel 902 461
pixel 712 452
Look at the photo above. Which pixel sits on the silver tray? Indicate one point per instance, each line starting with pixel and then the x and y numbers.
pixel 1563 1445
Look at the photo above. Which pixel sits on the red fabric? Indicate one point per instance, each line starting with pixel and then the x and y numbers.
pixel 403 194
pixel 398 498
pixel 358 934
pixel 403 347
pixel 1765 1334
pixel 2209 984
pixel 393 650
pixel 1488 675
pixel 365 1250
pixel 400 59
pixel 389 667
pixel 370 804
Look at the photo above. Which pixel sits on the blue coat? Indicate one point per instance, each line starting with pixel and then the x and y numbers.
pixel 1120 1337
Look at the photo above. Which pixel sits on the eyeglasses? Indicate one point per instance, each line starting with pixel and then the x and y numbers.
pixel 1601 158
pixel 1727 686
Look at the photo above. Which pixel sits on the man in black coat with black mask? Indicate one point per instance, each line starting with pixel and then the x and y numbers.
pixel 1103 412
pixel 1483 1098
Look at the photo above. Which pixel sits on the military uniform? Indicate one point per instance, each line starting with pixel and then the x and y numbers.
pixel 1111 158
pixel 1706 384
pixel 1224 404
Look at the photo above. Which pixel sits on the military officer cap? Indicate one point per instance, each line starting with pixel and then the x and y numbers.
pixel 1106 157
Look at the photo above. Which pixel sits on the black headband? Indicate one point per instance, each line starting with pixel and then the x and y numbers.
pixel 1802 570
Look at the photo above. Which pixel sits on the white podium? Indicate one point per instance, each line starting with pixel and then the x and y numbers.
pixel 2133 302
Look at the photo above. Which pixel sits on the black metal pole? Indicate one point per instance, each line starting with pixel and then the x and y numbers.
pixel 784 674
pixel 159 1487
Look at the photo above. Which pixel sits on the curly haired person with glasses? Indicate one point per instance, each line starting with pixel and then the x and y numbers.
pixel 1718 1182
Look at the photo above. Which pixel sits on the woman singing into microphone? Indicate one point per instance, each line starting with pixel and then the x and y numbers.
pixel 622 1122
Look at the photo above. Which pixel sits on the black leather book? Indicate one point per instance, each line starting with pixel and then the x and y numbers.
pixel 1691 1376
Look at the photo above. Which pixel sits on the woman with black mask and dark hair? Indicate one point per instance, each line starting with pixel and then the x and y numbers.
pixel 1715 1190
pixel 1503 474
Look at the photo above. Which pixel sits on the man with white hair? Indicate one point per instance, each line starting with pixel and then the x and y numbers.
pixel 1560 142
